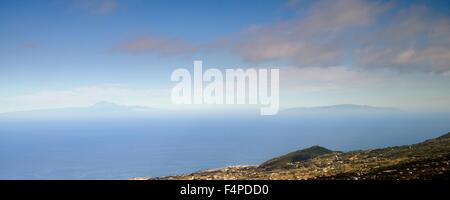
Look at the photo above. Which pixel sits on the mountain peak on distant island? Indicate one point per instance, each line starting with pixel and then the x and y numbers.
pixel 349 106
pixel 105 104
pixel 341 109
pixel 102 109
pixel 111 106
pixel 355 106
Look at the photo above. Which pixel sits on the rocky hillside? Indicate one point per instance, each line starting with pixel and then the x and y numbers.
pixel 426 160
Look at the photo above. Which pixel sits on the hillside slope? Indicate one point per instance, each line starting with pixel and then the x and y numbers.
pixel 426 160
pixel 296 156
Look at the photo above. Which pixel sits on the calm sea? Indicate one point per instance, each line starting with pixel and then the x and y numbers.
pixel 124 148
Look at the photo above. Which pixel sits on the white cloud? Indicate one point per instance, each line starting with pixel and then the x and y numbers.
pixel 374 34
pixel 414 40
pixel 320 38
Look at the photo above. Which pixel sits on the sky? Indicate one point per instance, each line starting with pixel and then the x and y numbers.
pixel 71 53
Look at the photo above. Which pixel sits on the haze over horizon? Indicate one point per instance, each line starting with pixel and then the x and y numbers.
pixel 75 53
pixel 106 106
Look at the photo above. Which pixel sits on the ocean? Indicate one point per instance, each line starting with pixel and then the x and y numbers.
pixel 122 148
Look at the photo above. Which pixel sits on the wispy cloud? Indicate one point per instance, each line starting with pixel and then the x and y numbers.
pixel 373 34
pixel 415 39
pixel 30 45
pixel 320 38
pixel 97 7
pixel 163 46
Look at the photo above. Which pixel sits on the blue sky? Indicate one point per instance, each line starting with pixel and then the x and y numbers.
pixel 77 52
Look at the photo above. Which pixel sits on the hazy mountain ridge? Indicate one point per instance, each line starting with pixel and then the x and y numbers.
pixel 426 160
pixel 100 110
pixel 110 109
pixel 341 109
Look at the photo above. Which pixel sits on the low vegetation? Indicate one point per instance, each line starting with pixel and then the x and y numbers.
pixel 426 160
